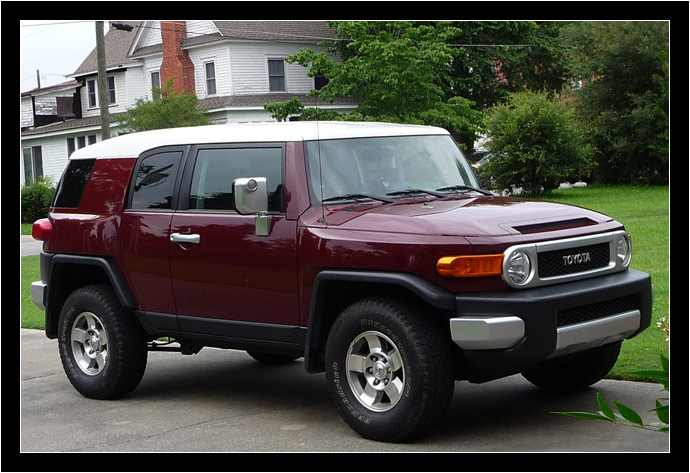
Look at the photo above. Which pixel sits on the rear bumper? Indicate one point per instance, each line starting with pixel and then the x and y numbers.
pixel 39 289
pixel 504 332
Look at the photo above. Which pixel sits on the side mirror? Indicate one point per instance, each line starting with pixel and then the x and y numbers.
pixel 251 197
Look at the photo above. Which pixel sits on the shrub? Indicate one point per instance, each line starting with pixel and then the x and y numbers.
pixel 535 143
pixel 36 199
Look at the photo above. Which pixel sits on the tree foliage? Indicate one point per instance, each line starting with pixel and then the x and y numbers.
pixel 434 73
pixel 625 97
pixel 169 109
pixel 534 142
pixel 398 72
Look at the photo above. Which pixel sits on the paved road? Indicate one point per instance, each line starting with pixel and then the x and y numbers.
pixel 224 401
pixel 28 246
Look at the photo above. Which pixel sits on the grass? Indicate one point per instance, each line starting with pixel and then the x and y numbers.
pixel 31 317
pixel 645 213
pixel 643 210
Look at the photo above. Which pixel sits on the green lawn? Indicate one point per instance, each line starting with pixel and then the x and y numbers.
pixel 645 213
pixel 643 210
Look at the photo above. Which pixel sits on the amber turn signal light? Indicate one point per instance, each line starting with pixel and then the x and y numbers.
pixel 470 265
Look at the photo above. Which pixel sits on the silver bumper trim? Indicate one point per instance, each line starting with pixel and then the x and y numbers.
pixel 486 333
pixel 38 291
pixel 597 332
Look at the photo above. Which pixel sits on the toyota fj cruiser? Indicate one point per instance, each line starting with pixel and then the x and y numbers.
pixel 368 249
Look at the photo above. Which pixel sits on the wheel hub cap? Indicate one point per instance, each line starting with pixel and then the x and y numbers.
pixel 375 371
pixel 89 343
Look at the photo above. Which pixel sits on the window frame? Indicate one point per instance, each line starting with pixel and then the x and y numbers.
pixel 151 82
pixel 176 185
pixel 31 173
pixel 284 75
pixel 190 165
pixel 112 93
pixel 91 95
pixel 207 78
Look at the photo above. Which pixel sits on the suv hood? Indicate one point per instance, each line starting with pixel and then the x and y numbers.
pixel 483 216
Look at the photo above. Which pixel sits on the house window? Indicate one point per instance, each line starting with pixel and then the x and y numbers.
pixel 319 81
pixel 210 71
pixel 91 139
pixel 70 146
pixel 155 84
pixel 276 75
pixel 91 88
pixel 33 164
pixel 81 142
pixel 111 90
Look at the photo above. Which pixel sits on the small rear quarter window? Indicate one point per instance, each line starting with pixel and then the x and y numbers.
pixel 73 181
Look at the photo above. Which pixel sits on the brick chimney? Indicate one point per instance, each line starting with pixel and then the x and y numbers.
pixel 176 63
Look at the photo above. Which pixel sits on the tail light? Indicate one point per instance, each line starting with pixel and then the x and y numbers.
pixel 41 229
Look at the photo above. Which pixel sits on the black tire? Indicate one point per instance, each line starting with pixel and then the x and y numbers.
pixel 271 359
pixel 576 371
pixel 390 369
pixel 102 347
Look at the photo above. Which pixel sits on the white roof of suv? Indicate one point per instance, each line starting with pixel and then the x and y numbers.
pixel 132 145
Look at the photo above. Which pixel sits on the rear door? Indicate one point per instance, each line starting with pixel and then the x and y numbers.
pixel 146 226
pixel 220 269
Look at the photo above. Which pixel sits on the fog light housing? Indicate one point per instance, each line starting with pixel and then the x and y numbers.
pixel 623 249
pixel 518 267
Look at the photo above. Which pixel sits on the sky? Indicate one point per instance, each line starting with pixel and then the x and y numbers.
pixel 54 47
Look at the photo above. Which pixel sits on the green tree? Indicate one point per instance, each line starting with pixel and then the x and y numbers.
pixel 396 70
pixel 169 109
pixel 625 96
pixel 534 141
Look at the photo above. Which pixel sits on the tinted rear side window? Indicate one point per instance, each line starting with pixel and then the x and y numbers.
pixel 73 182
pixel 154 182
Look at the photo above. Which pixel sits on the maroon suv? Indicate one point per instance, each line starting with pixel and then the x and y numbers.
pixel 368 249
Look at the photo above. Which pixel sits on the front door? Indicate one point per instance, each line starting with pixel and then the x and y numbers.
pixel 220 269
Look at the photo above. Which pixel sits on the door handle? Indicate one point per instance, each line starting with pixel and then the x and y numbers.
pixel 185 238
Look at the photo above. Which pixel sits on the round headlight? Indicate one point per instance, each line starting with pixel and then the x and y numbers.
pixel 518 267
pixel 623 249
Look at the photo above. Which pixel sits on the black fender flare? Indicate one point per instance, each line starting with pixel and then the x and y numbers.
pixel 51 267
pixel 428 292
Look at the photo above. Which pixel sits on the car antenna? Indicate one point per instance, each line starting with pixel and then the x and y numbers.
pixel 318 144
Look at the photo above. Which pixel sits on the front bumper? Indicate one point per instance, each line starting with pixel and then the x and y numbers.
pixel 505 332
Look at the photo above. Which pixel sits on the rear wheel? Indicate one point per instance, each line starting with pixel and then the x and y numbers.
pixel 102 347
pixel 389 368
pixel 575 371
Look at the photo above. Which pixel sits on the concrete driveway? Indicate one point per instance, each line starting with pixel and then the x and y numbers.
pixel 224 401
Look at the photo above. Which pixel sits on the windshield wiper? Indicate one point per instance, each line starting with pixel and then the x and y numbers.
pixel 460 187
pixel 359 196
pixel 416 191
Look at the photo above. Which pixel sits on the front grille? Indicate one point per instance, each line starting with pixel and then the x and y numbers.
pixel 599 310
pixel 573 260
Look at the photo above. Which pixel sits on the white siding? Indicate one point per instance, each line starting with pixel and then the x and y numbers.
pixel 151 34
pixel 200 27
pixel 249 67
pixel 120 96
pixel 135 86
pixel 219 55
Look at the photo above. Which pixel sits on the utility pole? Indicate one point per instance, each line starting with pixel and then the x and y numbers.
pixel 102 83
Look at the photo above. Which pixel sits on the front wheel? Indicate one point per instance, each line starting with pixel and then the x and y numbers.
pixel 389 368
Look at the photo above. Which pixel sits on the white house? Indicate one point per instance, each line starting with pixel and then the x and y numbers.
pixel 233 67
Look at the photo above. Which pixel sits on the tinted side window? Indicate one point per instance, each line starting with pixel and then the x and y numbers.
pixel 154 182
pixel 73 182
pixel 215 169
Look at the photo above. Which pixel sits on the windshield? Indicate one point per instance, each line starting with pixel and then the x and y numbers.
pixel 385 166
